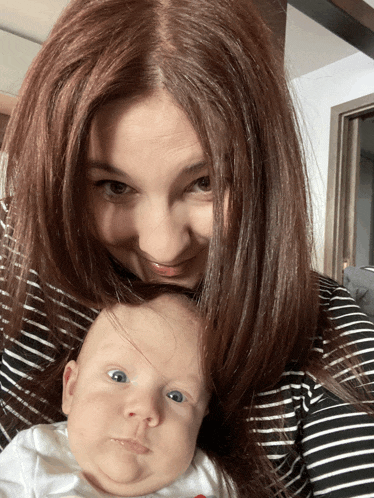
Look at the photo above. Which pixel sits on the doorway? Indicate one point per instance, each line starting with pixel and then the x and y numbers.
pixel 349 230
pixel 365 194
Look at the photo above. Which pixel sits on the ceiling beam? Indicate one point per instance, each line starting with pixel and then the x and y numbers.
pixel 351 20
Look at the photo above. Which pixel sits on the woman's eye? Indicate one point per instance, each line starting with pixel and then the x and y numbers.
pixel 118 376
pixel 202 185
pixel 115 188
pixel 176 396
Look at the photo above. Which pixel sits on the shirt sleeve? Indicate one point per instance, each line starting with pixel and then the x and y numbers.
pixel 337 439
pixel 3 213
pixel 36 347
pixel 12 477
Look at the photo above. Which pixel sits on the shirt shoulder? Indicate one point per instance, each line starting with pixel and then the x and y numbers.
pixel 352 325
pixel 38 462
pixel 320 436
pixel 201 478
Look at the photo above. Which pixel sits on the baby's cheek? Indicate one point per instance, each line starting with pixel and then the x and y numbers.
pixel 189 426
pixel 89 417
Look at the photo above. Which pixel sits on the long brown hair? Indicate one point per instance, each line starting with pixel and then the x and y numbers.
pixel 259 295
pixel 215 59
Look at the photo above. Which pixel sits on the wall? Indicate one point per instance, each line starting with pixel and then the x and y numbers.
pixel 16 54
pixel 315 93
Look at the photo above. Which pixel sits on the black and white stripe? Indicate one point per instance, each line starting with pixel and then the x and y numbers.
pixel 329 451
pixel 328 448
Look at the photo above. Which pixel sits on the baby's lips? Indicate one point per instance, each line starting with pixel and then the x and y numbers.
pixel 132 445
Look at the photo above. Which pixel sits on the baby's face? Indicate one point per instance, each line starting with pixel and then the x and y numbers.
pixel 135 400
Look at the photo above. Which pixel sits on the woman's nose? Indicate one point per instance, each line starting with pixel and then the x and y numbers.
pixel 146 410
pixel 164 235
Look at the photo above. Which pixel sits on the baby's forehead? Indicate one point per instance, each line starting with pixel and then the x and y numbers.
pixel 171 322
pixel 173 313
pixel 163 306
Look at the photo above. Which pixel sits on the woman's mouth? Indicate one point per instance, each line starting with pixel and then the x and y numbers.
pixel 168 271
pixel 189 271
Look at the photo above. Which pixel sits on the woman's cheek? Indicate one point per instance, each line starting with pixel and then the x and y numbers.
pixel 202 221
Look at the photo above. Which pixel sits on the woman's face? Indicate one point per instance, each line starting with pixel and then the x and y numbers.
pixel 149 190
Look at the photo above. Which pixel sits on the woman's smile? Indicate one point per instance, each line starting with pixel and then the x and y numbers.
pixel 149 190
pixel 178 270
pixel 169 271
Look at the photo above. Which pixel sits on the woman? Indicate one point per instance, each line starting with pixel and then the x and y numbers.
pixel 155 142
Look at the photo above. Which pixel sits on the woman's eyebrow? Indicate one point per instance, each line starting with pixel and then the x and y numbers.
pixel 101 165
pixel 194 168
pixel 191 172
pixel 188 171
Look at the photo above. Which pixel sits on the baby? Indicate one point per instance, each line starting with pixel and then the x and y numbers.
pixel 135 399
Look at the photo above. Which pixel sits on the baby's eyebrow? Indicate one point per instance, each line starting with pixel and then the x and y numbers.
pixel 193 379
pixel 195 384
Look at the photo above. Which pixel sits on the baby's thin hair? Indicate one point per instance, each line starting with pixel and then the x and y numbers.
pixel 119 323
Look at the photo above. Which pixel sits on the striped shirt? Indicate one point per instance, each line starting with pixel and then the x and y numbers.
pixel 328 450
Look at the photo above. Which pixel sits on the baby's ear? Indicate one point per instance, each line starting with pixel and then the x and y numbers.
pixel 69 380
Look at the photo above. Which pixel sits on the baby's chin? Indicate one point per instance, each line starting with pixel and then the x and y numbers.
pixel 134 481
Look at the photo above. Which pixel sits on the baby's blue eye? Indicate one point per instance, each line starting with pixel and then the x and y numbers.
pixel 118 376
pixel 176 396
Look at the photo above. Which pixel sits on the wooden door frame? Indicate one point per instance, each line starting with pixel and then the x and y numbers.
pixel 342 184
